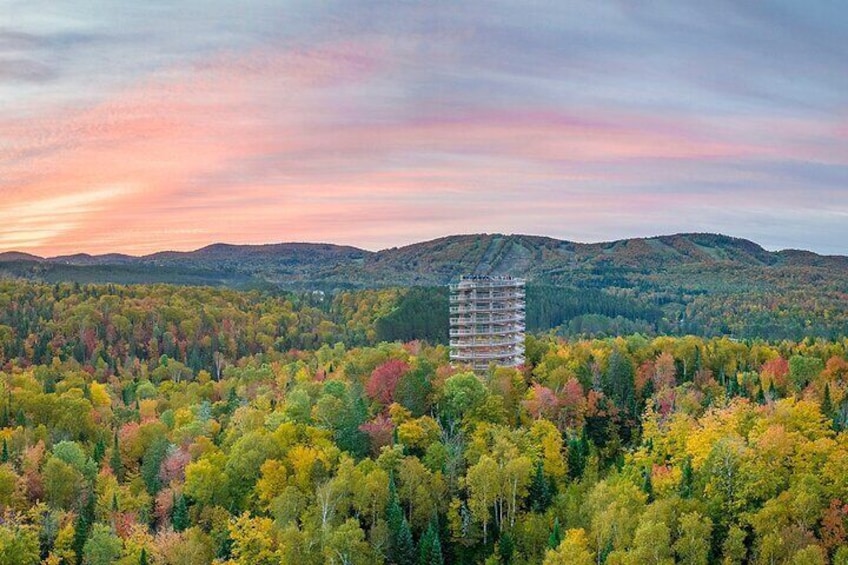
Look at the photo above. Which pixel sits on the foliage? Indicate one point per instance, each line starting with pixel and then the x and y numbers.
pixel 188 425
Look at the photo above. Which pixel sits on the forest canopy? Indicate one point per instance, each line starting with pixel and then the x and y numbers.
pixel 183 425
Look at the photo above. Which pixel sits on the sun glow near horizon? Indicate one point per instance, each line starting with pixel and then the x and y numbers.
pixel 426 123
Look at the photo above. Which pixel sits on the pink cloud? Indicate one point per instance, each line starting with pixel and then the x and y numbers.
pixel 294 146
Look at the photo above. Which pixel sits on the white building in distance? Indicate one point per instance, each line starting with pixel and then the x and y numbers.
pixel 487 321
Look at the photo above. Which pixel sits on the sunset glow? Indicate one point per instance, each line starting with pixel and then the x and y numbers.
pixel 137 127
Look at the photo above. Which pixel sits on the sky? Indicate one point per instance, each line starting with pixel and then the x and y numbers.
pixel 135 127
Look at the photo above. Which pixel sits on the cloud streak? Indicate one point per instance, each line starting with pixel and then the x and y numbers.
pixel 378 127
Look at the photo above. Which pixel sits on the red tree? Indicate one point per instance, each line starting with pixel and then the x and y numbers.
pixel 384 379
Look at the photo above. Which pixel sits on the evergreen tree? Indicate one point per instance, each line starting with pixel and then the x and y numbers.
pixel 99 451
pixel 82 525
pixel 232 401
pixel 578 453
pixel 827 403
pixel 4 456
pixel 151 462
pixel 506 548
pixel 348 435
pixel 430 547
pixel 556 535
pixel 142 560
pixel 401 546
pixel 115 460
pixel 179 514
pixel 648 485
pixel 541 494
pixel 687 479
pixel 618 382
pixel 839 416
pixel 647 392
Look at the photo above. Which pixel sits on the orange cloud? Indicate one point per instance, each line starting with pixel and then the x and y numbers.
pixel 297 146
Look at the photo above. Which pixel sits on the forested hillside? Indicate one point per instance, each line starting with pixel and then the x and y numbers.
pixel 701 284
pixel 184 425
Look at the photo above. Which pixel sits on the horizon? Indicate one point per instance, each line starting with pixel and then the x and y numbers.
pixel 136 128
pixel 382 249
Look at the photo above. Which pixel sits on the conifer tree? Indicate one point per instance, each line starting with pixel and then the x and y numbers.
pixel 115 460
pixel 827 403
pixel 541 493
pixel 99 451
pixel 686 479
pixel 648 485
pixel 82 525
pixel 556 535
pixel 4 456
pixel 232 401
pixel 401 546
pixel 506 548
pixel 430 547
pixel 578 453
pixel 179 514
pixel 349 436
pixel 142 560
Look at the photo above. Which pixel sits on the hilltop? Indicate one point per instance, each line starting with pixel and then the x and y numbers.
pixel 436 262
pixel 693 282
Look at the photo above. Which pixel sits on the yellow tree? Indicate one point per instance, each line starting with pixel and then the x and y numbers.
pixel 482 481
pixel 573 550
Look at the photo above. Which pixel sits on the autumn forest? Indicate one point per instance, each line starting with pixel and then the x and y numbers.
pixel 182 425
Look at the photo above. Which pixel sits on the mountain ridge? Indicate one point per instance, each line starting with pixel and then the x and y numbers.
pixel 293 245
pixel 618 263
pixel 702 283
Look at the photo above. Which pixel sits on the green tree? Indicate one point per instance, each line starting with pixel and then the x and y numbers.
pixel 18 544
pixel 541 493
pixel 152 462
pixel 63 483
pixel 99 451
pixel 614 506
pixel 687 478
pixel 82 526
pixel 618 382
pixel 430 546
pixel 346 545
pixel 556 535
pixel 349 436
pixel 115 460
pixel 401 549
pixel 179 515
pixel 803 370
pixel 461 393
pixel 734 550
pixel 102 547
pixel 827 403
pixel 693 543
pixel 205 480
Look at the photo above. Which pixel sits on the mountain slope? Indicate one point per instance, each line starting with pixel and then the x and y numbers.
pixel 661 260
pixel 686 283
